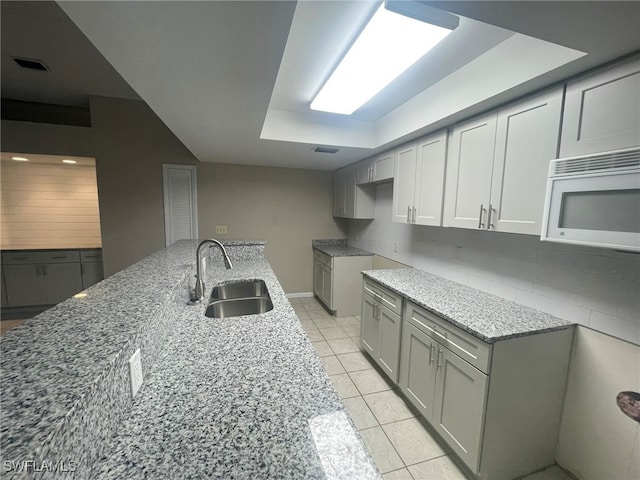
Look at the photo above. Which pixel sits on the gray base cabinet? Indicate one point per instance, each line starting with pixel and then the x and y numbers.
pixel 380 326
pixel 336 281
pixel 497 406
pixel 33 278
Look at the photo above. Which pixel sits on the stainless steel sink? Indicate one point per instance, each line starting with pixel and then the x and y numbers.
pixel 239 298
pixel 246 289
pixel 237 307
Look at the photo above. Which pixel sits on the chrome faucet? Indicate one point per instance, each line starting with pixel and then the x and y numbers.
pixel 198 293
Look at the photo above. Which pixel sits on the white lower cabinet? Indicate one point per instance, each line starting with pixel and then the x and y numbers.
pixel 336 281
pixel 381 323
pixel 497 406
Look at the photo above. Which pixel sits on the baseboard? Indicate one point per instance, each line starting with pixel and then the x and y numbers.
pixel 299 295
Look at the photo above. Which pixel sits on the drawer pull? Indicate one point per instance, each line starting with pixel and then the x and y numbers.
pixel 59 257
pixel 21 258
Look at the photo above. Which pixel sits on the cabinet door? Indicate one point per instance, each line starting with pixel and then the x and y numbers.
pixel 62 280
pixel 383 167
pixel 417 368
pixel 429 177
pixel 327 286
pixel 404 183
pixel 458 410
pixel 92 273
pixel 526 140
pixel 24 285
pixel 469 172
pixel 350 195
pixel 389 355
pixel 601 111
pixel 4 301
pixel 369 326
pixel 317 278
pixel 364 172
pixel 339 192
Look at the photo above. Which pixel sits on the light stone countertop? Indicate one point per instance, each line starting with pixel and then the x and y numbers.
pixel 243 397
pixel 486 316
pixel 338 248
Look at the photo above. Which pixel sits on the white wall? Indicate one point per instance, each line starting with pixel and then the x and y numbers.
pixel 597 441
pixel 593 287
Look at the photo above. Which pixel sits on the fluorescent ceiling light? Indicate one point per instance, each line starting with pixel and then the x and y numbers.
pixel 66 160
pixel 20 159
pixel 389 44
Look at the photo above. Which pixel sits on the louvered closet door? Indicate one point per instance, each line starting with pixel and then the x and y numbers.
pixel 180 211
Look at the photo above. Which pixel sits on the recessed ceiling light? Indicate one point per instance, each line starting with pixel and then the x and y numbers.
pixel 20 159
pixel 66 160
pixel 387 46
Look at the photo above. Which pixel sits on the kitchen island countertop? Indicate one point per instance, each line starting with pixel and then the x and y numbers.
pixel 243 397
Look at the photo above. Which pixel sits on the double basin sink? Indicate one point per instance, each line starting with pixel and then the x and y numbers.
pixel 236 299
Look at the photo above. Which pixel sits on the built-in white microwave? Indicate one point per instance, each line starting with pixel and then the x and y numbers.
pixel 594 200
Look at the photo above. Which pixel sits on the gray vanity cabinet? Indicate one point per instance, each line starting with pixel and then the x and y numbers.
pixel 381 323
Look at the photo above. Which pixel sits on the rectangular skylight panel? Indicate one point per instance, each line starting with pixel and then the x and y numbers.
pixel 389 44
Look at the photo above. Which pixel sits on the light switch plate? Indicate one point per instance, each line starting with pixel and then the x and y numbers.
pixel 135 372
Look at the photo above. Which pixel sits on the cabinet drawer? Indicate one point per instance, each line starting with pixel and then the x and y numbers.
pixel 463 344
pixel 26 258
pixel 389 299
pixel 322 258
pixel 91 256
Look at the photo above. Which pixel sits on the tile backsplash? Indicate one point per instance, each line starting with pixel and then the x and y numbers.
pixel 593 287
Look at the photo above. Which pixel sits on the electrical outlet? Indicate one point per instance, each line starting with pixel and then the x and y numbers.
pixel 395 247
pixel 221 229
pixel 135 372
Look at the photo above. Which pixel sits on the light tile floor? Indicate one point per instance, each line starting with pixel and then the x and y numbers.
pixel 400 445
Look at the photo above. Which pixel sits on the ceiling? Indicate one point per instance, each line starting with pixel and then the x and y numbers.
pixel 232 80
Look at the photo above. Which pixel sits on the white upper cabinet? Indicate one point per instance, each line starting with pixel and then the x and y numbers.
pixel 469 169
pixel 602 111
pixel 350 200
pixel 404 182
pixel 376 169
pixel 498 164
pixel 419 181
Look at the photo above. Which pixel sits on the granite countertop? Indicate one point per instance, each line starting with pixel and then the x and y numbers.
pixel 243 397
pixel 338 248
pixel 486 316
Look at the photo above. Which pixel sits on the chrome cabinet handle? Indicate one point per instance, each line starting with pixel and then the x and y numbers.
pixel 431 347
pixel 480 224
pixel 408 214
pixel 489 224
pixel 439 358
pixel 413 219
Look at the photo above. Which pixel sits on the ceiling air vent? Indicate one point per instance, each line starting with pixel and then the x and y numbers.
pixel 319 149
pixel 31 64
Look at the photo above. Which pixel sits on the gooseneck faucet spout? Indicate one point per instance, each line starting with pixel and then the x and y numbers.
pixel 198 293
